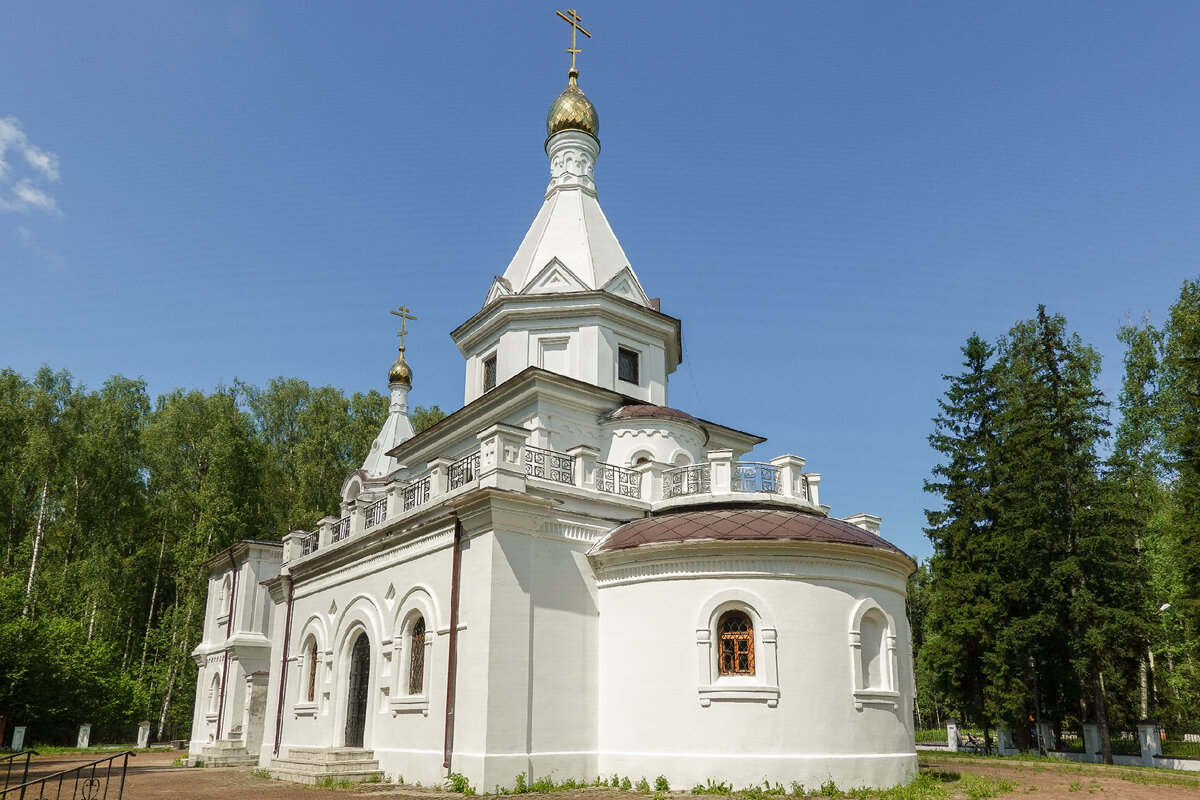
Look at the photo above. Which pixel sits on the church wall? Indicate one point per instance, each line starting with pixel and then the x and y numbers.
pixel 380 595
pixel 665 710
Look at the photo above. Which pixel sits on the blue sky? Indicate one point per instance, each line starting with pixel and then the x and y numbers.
pixel 831 197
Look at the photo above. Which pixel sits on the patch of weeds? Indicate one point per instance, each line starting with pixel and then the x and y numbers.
pixel 828 789
pixel 1075 786
pixel 642 785
pixel 519 785
pixel 376 778
pixel 661 784
pixel 457 782
pixel 333 783
pixel 979 788
pixel 712 787
pixel 626 784
pixel 261 774
pixel 199 762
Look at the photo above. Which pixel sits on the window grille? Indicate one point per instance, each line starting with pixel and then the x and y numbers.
pixel 416 659
pixel 627 365
pixel 489 373
pixel 735 635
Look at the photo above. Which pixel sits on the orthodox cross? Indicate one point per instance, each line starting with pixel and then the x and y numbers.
pixel 402 313
pixel 572 16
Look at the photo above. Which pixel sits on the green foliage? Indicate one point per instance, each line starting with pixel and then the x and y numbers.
pixel 423 418
pixel 661 784
pixel 457 782
pixel 519 785
pixel 642 786
pixel 626 784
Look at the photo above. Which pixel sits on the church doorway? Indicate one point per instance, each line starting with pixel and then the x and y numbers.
pixel 356 698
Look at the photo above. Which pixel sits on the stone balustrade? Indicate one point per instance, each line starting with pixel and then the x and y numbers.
pixel 505 459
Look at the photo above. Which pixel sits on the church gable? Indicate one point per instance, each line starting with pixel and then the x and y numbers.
pixel 625 285
pixel 554 278
pixel 500 288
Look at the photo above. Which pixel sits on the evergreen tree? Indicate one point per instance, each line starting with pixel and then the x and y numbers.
pixel 962 618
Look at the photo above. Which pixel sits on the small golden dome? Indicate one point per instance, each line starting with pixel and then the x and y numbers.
pixel 400 371
pixel 572 111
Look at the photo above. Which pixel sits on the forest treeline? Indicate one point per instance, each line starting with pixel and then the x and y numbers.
pixel 1065 575
pixel 109 504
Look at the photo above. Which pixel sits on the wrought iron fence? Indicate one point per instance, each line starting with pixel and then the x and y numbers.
pixel 97 780
pixel 618 480
pixel 11 760
pixel 310 544
pixel 416 493
pixel 753 476
pixel 465 470
pixel 341 529
pixel 1182 742
pixel 557 467
pixel 376 512
pixel 692 479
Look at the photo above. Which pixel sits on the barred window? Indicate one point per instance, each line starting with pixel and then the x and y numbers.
pixel 489 373
pixel 416 657
pixel 627 365
pixel 735 637
pixel 312 672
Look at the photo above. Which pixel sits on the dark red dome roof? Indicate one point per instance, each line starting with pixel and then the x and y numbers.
pixel 633 411
pixel 741 524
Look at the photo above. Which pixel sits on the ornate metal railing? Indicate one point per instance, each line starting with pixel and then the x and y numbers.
pixel 310 544
pixel 11 760
pixel 557 467
pixel 753 476
pixel 416 493
pixel 804 488
pixel 103 778
pixel 465 470
pixel 376 513
pixel 692 479
pixel 341 529
pixel 618 480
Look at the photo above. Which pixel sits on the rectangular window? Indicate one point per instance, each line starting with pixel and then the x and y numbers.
pixel 489 373
pixel 627 365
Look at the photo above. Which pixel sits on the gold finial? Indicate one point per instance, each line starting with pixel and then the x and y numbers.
pixel 402 313
pixel 572 16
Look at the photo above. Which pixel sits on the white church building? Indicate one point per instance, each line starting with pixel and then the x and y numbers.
pixel 566 577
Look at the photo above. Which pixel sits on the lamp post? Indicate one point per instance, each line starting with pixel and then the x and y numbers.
pixel 1037 708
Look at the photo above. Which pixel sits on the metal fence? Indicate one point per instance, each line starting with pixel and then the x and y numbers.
pixel 618 480
pixel 542 463
pixel 97 780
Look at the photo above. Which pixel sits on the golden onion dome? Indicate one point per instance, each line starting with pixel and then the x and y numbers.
pixel 572 111
pixel 400 371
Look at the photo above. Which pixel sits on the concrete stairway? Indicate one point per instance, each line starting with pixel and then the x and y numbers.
pixel 226 753
pixel 312 764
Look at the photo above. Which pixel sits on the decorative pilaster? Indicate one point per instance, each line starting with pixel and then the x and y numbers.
pixel 584 456
pixel 720 466
pixel 790 469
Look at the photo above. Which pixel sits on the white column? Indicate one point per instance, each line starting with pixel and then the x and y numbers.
pixel 720 464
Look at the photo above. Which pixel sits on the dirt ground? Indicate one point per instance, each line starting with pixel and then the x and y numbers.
pixel 152 775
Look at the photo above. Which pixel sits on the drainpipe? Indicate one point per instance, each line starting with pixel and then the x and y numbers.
pixel 451 669
pixel 228 633
pixel 287 641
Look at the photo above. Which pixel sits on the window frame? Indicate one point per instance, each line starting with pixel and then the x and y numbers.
pixel 761 685
pixel 738 641
pixel 635 357
pixel 416 657
pixel 489 362
pixel 885 695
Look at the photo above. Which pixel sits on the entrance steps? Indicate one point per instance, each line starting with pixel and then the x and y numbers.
pixel 226 753
pixel 312 764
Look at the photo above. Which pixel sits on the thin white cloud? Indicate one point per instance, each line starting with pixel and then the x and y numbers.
pixel 24 186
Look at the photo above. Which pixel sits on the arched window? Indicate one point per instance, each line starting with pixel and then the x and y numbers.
pixel 311 694
pixel 214 694
pixel 416 657
pixel 735 643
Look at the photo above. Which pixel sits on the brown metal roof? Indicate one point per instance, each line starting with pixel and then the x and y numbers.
pixel 741 524
pixel 645 410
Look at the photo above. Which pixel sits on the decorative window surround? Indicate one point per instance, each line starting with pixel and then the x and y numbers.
pixel 883 695
pixel 763 685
